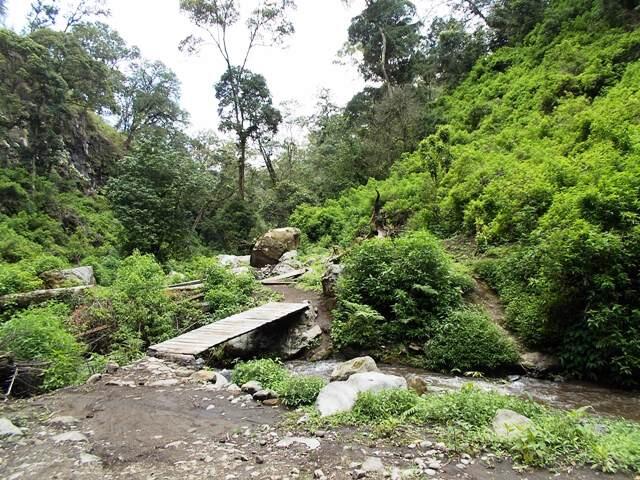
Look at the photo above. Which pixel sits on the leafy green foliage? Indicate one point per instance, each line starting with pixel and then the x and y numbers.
pixel 228 293
pixel 537 161
pixel 41 335
pixel 396 290
pixel 266 371
pixel 469 341
pixel 296 391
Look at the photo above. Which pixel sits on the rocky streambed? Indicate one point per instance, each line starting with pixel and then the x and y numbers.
pixel 159 420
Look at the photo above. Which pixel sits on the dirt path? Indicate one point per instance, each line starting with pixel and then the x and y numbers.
pixel 151 421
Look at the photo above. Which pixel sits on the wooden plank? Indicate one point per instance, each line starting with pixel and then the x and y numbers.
pixel 202 339
pixel 281 278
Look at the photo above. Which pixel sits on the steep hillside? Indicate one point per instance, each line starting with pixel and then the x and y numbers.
pixel 539 161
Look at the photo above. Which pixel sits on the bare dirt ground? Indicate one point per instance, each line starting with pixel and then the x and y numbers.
pixel 151 420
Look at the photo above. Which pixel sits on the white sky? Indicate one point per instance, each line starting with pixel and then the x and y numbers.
pixel 296 73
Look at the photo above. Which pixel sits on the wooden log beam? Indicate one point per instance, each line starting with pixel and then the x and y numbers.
pixel 39 296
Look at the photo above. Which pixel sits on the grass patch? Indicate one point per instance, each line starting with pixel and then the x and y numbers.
pixel 293 390
pixel 463 420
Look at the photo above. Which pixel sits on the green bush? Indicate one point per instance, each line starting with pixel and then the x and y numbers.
pixel 293 391
pixel 469 340
pixel 228 293
pixel 396 290
pixel 41 335
pixel 296 391
pixel 15 278
pixel 266 371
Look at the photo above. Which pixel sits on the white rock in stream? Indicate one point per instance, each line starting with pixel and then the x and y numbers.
pixel 8 429
pixel 341 396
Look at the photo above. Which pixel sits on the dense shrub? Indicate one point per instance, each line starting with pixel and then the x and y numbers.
pixel 41 335
pixel 395 291
pixel 469 340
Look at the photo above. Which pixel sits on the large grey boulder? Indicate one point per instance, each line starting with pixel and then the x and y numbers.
pixel 75 276
pixel 273 244
pixel 341 396
pixel 344 370
pixel 508 424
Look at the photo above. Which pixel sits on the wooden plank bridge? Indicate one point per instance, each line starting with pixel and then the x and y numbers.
pixel 202 339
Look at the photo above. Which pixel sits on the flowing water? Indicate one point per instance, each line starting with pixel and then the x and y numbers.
pixel 566 395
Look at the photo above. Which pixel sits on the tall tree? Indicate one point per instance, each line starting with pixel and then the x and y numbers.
pixel 388 35
pixel 268 24
pixel 149 99
pixel 245 108
pixel 47 13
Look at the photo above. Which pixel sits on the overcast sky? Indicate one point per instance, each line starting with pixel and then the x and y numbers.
pixel 295 73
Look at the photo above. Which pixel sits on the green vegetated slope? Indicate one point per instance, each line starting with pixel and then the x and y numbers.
pixel 539 161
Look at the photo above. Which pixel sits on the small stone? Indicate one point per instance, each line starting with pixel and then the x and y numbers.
pixel 508 424
pixel 95 378
pixel 87 458
pixel 259 460
pixel 310 443
pixel 319 474
pixel 417 384
pixel 202 376
pixel 251 387
pixel 265 394
pixel 63 421
pixel 167 382
pixel 233 388
pixel 70 437
pixel 8 429
pixel 373 465
pixel 320 433
pixel 122 383
pixel 430 472
pixel 271 402
pixel 111 368
pixel 434 465
pixel 210 407
pixel 426 444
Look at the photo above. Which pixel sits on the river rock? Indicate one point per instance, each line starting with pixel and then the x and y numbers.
pixel 508 424
pixel 341 396
pixel 234 261
pixel 272 245
pixel 265 394
pixel 63 421
pixel 344 370
pixel 8 429
pixel 373 465
pixel 310 443
pixel 75 276
pixel 538 363
pixel 251 387
pixel 70 437
pixel 203 376
pixel 417 383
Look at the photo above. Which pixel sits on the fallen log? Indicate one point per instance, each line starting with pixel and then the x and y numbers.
pixel 40 296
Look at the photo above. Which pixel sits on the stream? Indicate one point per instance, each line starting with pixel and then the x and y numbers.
pixel 565 395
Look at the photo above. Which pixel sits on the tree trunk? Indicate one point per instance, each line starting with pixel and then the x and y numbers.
pixel 241 165
pixel 383 60
pixel 40 296
pixel 268 163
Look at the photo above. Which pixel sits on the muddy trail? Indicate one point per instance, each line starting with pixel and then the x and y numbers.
pixel 158 420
